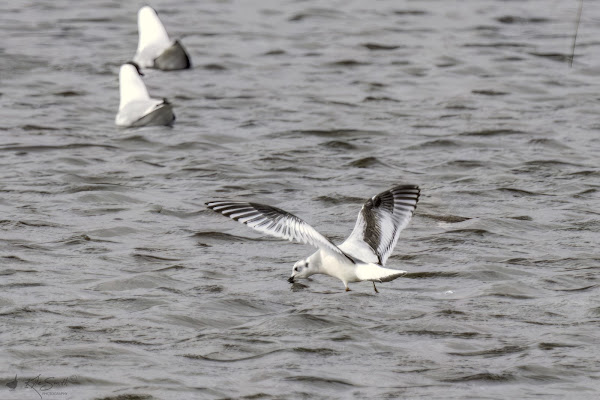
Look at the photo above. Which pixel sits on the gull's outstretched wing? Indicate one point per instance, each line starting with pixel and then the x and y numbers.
pixel 379 224
pixel 275 222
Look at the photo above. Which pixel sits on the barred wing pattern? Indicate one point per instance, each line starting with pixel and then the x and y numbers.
pixel 380 222
pixel 275 222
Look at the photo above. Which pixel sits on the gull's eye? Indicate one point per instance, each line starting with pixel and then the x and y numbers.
pixel 296 269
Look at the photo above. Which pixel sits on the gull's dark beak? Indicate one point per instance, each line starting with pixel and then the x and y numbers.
pixel 291 279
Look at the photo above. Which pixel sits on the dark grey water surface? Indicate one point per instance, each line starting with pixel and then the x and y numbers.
pixel 115 276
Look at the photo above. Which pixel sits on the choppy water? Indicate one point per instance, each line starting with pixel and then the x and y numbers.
pixel 116 278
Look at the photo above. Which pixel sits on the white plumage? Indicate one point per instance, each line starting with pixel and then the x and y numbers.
pixel 155 49
pixel 136 107
pixel 363 254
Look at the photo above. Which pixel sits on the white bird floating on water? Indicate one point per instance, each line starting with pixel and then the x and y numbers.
pixel 363 254
pixel 136 107
pixel 155 49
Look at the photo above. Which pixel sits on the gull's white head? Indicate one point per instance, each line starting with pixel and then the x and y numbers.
pixel 302 269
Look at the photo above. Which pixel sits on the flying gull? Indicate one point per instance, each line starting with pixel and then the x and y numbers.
pixel 136 107
pixel 155 49
pixel 363 254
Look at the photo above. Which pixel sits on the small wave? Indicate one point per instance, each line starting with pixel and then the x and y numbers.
pixel 129 396
pixel 16 259
pixel 434 144
pixel 450 313
pixel 319 351
pixel 339 145
pixel 114 232
pixel 31 223
pixel 95 187
pixel 339 200
pixel 550 143
pixel 210 289
pixel 558 163
pixel 451 219
pixel 69 93
pixel 171 268
pixel 471 232
pixel 486 377
pixel 560 57
pixel 320 381
pixel 410 12
pixel 347 63
pixel 512 19
pixel 377 46
pixel 522 218
pixel 276 52
pixel 51 148
pixel 580 289
pixel 315 13
pixel 428 275
pixel 520 192
pixel 516 296
pixel 214 67
pixel 132 342
pixel 21 285
pixel 493 132
pixel 493 352
pixel 30 127
pixel 489 92
pixel 426 332
pixel 331 132
pixel 220 236
pixel 552 346
pixel 380 98
pixel 367 162
pixel 497 45
pixel 231 360
pixel 586 173
pixel 152 258
pixel 135 282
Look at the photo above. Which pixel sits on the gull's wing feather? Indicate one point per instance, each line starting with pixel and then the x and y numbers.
pixel 275 222
pixel 380 222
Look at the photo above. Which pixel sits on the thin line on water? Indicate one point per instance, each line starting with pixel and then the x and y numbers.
pixel 575 35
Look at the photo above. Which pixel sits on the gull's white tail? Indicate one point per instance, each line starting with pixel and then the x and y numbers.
pixel 372 272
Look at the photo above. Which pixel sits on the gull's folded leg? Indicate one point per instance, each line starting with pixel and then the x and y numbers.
pixel 347 289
